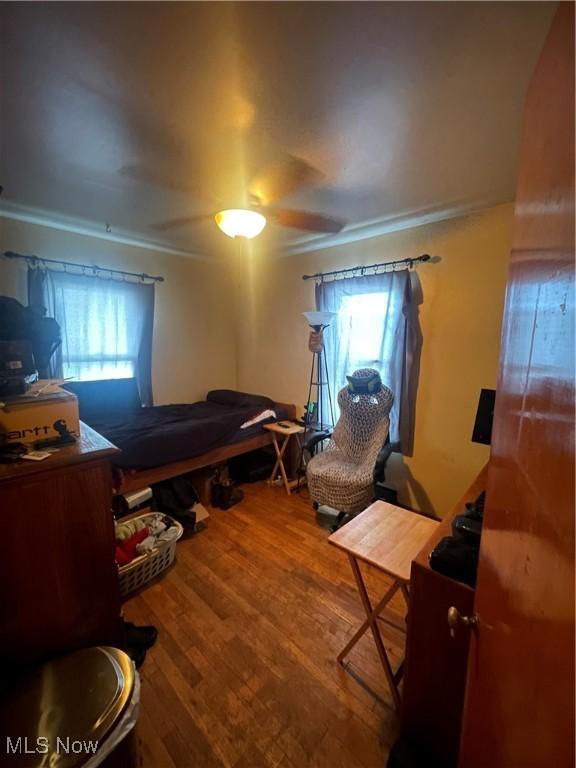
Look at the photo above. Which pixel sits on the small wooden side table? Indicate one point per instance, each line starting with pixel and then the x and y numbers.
pixel 388 538
pixel 286 432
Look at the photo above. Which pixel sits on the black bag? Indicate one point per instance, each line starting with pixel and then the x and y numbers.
pixel 19 323
pixel 175 497
pixel 453 556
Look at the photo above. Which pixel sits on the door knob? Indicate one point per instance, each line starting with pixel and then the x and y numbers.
pixel 455 619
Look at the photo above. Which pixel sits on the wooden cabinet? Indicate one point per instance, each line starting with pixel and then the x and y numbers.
pixel 58 577
pixel 435 676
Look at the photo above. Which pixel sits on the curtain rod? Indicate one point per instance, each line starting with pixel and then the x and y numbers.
pixel 363 269
pixel 91 267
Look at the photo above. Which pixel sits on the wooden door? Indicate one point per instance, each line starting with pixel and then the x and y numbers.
pixel 519 710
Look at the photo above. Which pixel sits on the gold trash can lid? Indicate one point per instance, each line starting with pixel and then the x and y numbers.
pixel 60 713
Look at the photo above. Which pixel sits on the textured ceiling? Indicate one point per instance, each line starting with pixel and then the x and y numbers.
pixel 404 107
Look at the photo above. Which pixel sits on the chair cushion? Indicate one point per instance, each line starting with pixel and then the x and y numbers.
pixel 334 467
pixel 338 482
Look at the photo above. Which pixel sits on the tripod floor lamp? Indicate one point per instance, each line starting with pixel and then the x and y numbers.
pixel 314 417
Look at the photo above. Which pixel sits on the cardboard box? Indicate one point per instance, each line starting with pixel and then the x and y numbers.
pixel 201 480
pixel 32 417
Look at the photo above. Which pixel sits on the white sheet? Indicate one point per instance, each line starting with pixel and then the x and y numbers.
pixel 267 414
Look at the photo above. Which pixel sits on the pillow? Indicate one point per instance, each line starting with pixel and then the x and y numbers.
pixel 238 399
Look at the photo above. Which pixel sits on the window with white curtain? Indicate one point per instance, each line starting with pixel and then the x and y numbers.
pixel 376 326
pixel 101 322
pixel 361 320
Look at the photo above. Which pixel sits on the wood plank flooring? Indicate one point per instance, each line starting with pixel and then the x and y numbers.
pixel 244 673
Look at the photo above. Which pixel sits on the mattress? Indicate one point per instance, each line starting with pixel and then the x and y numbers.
pixel 165 434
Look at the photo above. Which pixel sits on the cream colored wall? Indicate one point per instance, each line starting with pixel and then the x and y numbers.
pixel 194 343
pixel 238 324
pixel 460 319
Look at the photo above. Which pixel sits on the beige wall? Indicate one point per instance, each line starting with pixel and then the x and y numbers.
pixel 460 319
pixel 194 344
pixel 239 324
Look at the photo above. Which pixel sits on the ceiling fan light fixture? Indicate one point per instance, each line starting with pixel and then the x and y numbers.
pixel 240 222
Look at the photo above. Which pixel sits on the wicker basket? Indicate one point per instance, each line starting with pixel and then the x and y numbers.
pixel 146 567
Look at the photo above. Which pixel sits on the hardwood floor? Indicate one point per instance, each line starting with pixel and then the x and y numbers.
pixel 244 673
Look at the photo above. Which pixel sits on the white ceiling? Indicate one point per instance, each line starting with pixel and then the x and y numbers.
pixel 405 107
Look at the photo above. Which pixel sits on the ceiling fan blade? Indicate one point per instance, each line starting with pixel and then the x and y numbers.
pixel 312 222
pixel 182 221
pixel 281 178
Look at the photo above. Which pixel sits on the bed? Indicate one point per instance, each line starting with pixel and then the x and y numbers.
pixel 165 441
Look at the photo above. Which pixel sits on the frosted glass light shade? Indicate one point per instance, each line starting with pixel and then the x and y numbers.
pixel 240 222
pixel 316 319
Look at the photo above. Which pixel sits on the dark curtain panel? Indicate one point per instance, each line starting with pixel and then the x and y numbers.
pixel 377 327
pixel 144 363
pixel 411 367
pixel 39 292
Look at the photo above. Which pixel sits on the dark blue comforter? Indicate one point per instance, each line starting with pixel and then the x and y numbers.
pixel 163 434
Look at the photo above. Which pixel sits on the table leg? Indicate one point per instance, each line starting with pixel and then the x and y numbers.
pixel 282 470
pixel 279 465
pixel 277 450
pixel 406 593
pixel 364 626
pixel 372 623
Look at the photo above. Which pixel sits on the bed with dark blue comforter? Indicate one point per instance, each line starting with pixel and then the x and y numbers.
pixel 151 437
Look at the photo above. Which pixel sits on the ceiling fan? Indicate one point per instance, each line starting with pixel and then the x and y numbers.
pixel 272 183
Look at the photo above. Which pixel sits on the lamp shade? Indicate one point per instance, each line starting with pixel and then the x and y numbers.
pixel 240 222
pixel 316 319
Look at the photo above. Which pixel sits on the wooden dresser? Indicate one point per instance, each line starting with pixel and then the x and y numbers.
pixel 58 576
pixel 436 663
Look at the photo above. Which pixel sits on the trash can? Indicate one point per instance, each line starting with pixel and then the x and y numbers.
pixel 75 711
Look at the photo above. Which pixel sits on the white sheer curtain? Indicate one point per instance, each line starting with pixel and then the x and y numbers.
pixel 103 323
pixel 376 327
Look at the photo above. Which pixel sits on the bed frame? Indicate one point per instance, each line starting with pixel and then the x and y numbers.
pixel 135 481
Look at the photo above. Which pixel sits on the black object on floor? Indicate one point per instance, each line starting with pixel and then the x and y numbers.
pixel 406 755
pixel 137 640
pixel 251 467
pixel 225 494
pixel 175 497
pixel 341 520
pixel 142 637
pixel 138 656
pixel 230 495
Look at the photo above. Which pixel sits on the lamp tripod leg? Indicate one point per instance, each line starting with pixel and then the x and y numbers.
pixel 299 470
pixel 329 393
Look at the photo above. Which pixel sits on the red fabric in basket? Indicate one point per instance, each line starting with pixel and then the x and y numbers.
pixel 126 549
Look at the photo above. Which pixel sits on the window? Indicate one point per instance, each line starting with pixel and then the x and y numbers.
pixel 101 322
pixel 361 321
pixel 376 327
pixel 106 325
